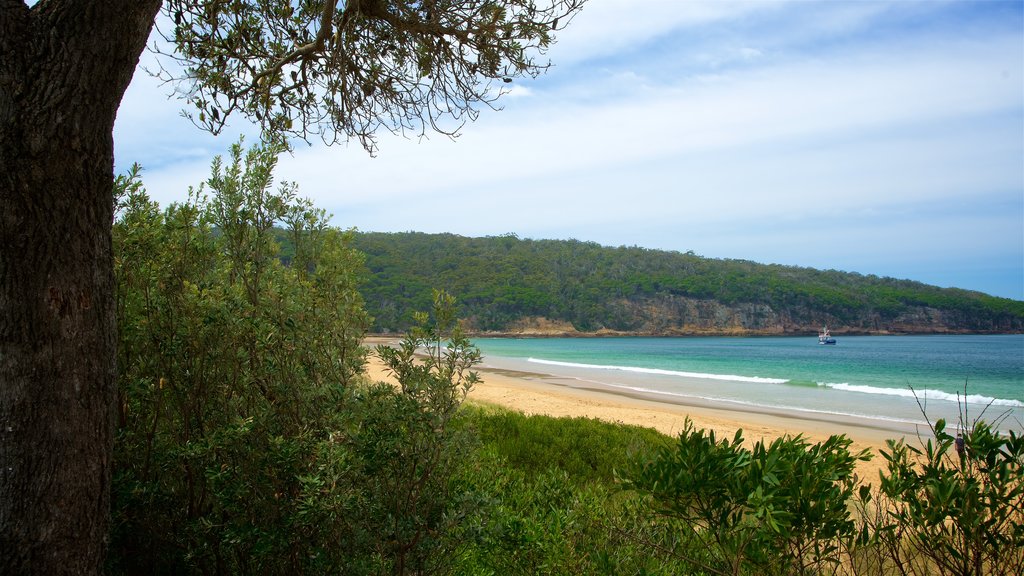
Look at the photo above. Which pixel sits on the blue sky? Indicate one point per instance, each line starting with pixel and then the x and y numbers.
pixel 882 138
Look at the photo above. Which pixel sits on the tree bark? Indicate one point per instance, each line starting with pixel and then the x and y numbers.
pixel 64 68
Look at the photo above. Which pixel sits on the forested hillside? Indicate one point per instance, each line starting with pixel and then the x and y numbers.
pixel 509 284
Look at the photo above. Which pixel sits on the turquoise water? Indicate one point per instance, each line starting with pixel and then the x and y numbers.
pixel 874 377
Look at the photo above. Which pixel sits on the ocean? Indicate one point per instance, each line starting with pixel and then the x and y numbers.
pixel 888 381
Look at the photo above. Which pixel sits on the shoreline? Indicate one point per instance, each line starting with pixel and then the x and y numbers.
pixel 722 333
pixel 894 428
pixel 540 393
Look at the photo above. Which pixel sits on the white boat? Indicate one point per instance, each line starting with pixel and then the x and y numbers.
pixel 824 337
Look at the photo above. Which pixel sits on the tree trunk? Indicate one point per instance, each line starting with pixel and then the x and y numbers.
pixel 64 70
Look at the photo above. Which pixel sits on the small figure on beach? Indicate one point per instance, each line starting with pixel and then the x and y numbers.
pixel 959 443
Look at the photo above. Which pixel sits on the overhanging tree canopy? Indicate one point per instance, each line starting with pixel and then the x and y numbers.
pixel 339 70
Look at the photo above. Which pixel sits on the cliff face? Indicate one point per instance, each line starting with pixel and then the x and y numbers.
pixel 678 315
pixel 690 316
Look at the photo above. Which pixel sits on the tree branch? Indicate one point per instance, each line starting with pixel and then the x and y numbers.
pixel 326 26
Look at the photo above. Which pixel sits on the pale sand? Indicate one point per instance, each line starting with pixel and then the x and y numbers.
pixel 536 393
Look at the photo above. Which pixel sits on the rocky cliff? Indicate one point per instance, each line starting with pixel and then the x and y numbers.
pixel 683 316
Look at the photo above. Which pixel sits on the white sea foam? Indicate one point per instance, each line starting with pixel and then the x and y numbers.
pixel 662 372
pixel 758 405
pixel 970 399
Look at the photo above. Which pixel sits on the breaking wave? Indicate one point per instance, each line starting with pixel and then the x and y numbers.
pixel 660 371
pixel 923 395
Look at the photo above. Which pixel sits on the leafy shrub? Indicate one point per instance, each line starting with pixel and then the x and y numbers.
pixel 776 508
pixel 549 512
pixel 412 452
pixel 954 506
pixel 247 440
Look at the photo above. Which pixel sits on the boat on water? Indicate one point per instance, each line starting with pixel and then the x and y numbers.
pixel 824 337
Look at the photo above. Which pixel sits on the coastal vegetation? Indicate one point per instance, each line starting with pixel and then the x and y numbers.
pixel 250 440
pixel 517 285
pixel 328 71
pixel 171 366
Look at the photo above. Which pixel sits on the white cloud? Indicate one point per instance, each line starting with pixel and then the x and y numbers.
pixel 612 27
pixel 869 107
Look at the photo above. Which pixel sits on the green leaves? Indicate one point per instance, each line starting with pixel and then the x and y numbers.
pixel 442 376
pixel 233 369
pixel 962 513
pixel 406 453
pixel 778 505
pixel 341 70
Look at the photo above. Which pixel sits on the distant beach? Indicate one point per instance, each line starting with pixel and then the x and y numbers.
pixel 540 393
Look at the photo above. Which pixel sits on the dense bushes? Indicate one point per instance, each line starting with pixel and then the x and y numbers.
pixel 703 505
pixel 232 372
pixel 778 508
pixel 554 506
pixel 793 508
pixel 953 506
pixel 247 441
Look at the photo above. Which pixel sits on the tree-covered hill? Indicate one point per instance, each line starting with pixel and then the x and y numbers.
pixel 509 284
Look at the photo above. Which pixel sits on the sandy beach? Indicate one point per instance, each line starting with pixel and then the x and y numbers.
pixel 539 393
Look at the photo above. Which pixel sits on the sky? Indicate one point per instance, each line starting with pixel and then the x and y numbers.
pixel 883 138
